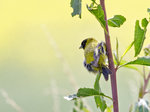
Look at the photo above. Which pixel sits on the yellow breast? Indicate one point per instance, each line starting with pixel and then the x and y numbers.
pixel 89 52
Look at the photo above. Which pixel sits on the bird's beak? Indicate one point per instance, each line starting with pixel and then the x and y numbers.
pixel 80 47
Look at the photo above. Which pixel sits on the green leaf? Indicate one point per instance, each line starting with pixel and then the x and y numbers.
pixel 74 110
pixel 85 92
pixel 76 102
pixel 132 67
pixel 109 109
pixel 141 93
pixel 76 5
pixel 116 21
pixel 96 84
pixel 147 51
pixel 99 100
pixel 142 106
pixel 144 23
pixel 116 60
pixel 127 49
pixel 123 64
pixel 131 108
pixel 141 61
pixel 93 0
pixel 139 37
pixel 148 10
pixel 81 105
pixel 99 14
pixel 116 53
pixel 117 49
pixel 85 110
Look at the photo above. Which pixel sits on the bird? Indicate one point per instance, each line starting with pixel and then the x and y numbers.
pixel 95 57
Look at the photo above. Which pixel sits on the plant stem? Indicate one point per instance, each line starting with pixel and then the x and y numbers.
pixel 146 80
pixel 111 63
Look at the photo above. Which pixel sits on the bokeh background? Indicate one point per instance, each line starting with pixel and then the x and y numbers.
pixel 40 62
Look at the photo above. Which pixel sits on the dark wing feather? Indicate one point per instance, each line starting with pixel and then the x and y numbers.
pixel 106 72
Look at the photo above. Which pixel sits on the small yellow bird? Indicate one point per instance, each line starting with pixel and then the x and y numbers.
pixel 95 56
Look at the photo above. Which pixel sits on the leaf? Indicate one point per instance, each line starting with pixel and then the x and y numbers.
pixel 99 100
pixel 117 49
pixel 79 106
pixel 96 84
pixel 133 67
pixel 139 37
pixel 142 106
pixel 141 93
pixel 74 110
pixel 85 92
pixel 71 97
pixel 141 61
pixel 76 5
pixel 125 52
pixel 123 64
pixel 144 23
pixel 127 49
pixel 147 51
pixel 109 109
pixel 116 61
pixel 76 102
pixel 116 53
pixel 99 14
pixel 85 110
pixel 148 10
pixel 116 21
pixel 131 108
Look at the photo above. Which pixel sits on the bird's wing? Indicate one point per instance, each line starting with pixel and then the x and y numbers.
pixel 96 55
pixel 102 48
pixel 99 54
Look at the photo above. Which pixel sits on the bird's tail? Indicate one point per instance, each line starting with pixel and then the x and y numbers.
pixel 106 71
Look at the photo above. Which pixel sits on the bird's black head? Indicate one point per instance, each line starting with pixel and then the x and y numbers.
pixel 83 44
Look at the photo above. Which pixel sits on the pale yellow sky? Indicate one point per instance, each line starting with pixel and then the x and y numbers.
pixel 21 21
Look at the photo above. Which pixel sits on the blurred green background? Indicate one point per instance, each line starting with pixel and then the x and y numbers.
pixel 39 57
